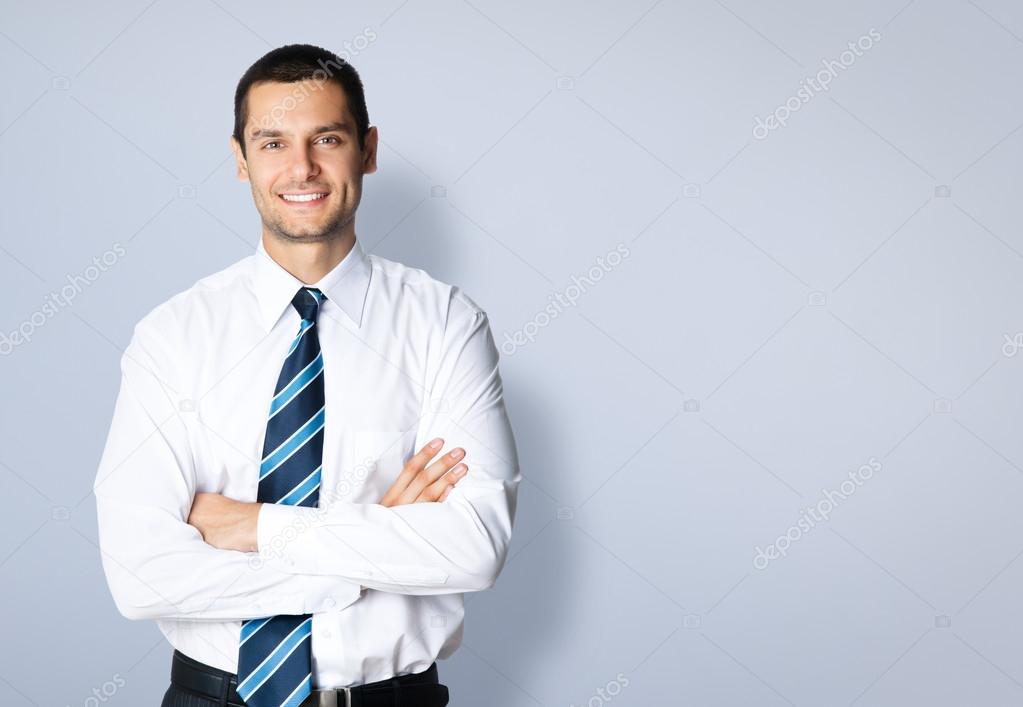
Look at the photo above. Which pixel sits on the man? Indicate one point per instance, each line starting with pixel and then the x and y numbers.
pixel 272 491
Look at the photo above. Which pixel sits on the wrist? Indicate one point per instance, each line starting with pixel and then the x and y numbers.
pixel 247 528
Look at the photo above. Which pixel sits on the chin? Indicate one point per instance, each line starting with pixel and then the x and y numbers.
pixel 304 235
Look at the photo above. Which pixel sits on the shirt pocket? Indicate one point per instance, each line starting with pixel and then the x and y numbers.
pixel 380 455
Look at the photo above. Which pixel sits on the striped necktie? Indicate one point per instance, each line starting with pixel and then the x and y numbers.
pixel 275 655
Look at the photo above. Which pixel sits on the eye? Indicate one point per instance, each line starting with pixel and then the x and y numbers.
pixel 267 145
pixel 336 140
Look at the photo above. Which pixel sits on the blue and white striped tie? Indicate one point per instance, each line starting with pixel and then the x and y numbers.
pixel 275 655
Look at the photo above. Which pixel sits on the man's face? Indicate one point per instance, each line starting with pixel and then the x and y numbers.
pixel 301 144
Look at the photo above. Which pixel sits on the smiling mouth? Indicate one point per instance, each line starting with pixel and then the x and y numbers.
pixel 310 198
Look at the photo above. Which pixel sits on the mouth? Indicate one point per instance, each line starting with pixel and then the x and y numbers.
pixel 304 199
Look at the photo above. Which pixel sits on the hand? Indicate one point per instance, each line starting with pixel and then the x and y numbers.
pixel 417 484
pixel 224 522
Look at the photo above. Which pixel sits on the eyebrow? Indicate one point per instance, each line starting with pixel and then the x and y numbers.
pixel 337 126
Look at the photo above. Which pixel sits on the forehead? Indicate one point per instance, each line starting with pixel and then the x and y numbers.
pixel 294 107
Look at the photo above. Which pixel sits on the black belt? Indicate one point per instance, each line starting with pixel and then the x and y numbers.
pixel 412 690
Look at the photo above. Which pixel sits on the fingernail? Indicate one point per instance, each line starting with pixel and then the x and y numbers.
pixel 435 444
pixel 461 469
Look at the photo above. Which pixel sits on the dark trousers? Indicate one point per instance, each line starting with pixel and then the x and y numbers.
pixel 436 694
pixel 176 697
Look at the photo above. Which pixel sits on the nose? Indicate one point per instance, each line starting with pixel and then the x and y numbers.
pixel 303 166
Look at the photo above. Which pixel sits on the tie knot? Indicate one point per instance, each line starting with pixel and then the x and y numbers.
pixel 307 302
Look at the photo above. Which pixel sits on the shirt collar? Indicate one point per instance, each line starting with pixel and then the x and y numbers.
pixel 345 285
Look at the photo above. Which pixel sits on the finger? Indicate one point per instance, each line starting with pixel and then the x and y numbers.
pixel 411 469
pixel 440 488
pixel 431 474
pixel 428 452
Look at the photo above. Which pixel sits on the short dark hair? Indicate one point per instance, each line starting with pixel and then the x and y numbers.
pixel 301 62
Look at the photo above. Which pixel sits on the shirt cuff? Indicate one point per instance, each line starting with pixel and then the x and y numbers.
pixel 278 527
pixel 324 594
pixel 305 540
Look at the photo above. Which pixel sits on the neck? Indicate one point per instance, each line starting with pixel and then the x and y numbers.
pixel 309 262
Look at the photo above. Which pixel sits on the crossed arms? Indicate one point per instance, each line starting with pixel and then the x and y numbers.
pixel 169 552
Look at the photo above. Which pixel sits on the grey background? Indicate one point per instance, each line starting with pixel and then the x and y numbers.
pixel 846 288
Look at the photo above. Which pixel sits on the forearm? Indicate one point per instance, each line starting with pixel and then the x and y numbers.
pixel 417 548
pixel 175 575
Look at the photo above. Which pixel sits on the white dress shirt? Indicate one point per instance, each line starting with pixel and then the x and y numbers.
pixel 406 358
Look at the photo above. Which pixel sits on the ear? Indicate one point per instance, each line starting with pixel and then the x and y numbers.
pixel 369 151
pixel 239 158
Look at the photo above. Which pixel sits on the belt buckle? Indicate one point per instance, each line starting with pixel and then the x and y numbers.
pixel 329 698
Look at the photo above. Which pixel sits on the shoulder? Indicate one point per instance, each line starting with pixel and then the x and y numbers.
pixel 417 287
pixel 190 311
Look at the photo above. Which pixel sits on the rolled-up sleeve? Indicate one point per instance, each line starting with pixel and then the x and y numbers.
pixel 458 545
pixel 156 564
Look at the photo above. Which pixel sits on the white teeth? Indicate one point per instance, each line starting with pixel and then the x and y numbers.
pixel 302 197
